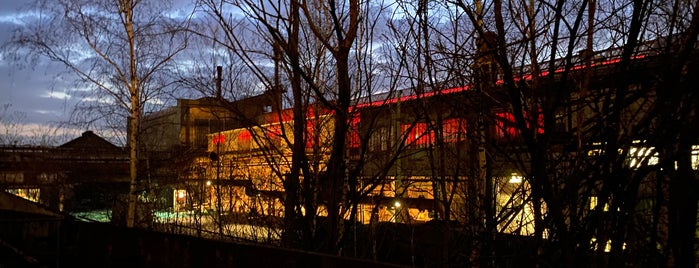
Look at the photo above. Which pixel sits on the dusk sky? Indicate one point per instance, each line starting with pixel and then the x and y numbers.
pixel 35 91
pixel 40 93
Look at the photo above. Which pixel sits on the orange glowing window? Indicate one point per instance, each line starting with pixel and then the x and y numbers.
pixel 220 138
pixel 506 126
pixel 244 136
pixel 418 136
pixel 454 129
pixel 274 131
pixel 312 130
pixel 354 133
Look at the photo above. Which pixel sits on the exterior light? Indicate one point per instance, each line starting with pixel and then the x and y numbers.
pixel 208 183
pixel 515 178
pixel 396 204
pixel 181 194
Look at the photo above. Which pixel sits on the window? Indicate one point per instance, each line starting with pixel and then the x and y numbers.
pixel 244 136
pixel 201 129
pixel 274 133
pixel 219 138
pixel 593 204
pixel 638 155
pixel 312 131
pixel 318 132
pixel 353 136
pixel 31 194
pixel 695 157
pixel 216 125
pixel 506 126
pixel 379 140
pixel 243 139
pixel 419 136
pixel 454 129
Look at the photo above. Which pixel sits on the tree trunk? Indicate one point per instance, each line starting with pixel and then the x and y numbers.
pixel 127 12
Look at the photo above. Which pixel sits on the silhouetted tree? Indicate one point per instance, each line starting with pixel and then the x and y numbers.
pixel 119 50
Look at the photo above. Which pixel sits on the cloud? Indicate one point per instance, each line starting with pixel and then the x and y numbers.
pixel 103 100
pixel 44 91
pixel 12 7
pixel 32 91
pixel 20 18
pixel 56 95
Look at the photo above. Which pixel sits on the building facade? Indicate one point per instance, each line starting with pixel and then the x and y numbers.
pixel 174 144
pixel 452 153
pixel 86 173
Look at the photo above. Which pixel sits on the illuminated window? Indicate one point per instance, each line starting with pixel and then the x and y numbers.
pixel 513 202
pixel 695 157
pixel 274 130
pixel 454 129
pixel 607 246
pixel 273 133
pixel 596 150
pixel 317 133
pixel 219 138
pixel 639 156
pixel 515 178
pixel 181 194
pixel 506 126
pixel 244 138
pixel 593 204
pixel 31 194
pixel 419 136
pixel 353 136
pixel 180 200
pixel 311 133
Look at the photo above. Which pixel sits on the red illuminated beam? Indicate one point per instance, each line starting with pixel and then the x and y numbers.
pixel 453 90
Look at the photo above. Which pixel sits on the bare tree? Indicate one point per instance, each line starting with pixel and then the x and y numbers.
pixel 14 131
pixel 125 49
pixel 11 127
pixel 545 39
pixel 325 52
pixel 557 103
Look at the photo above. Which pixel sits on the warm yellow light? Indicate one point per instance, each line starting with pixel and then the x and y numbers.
pixel 396 204
pixel 515 178
pixel 181 194
pixel 208 183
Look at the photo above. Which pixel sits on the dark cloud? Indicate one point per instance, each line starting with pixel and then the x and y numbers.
pixel 40 90
pixel 11 7
pixel 27 88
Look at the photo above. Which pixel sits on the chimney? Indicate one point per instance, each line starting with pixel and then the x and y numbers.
pixel 219 70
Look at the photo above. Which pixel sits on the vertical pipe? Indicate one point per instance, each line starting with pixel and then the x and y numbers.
pixel 219 70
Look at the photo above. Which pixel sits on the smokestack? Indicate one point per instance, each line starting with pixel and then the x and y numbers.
pixel 219 70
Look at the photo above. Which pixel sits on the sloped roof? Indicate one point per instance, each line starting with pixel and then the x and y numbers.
pixel 12 203
pixel 90 140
